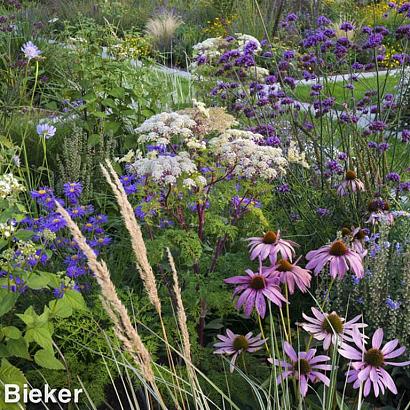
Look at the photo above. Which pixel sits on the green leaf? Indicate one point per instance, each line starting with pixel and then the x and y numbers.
pixel 94 139
pixel 117 92
pixel 40 335
pixel 36 281
pixel 18 348
pixel 24 235
pixel 74 299
pixel 10 375
pixel 45 358
pixel 7 301
pixel 60 308
pixel 11 332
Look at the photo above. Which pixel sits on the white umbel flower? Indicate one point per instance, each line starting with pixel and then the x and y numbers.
pixel 164 169
pixel 162 128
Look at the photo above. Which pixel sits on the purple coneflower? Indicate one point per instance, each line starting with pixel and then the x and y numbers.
pixel 304 366
pixel 339 256
pixel 292 275
pixel 330 327
pixel 350 184
pixel 271 245
pixel 254 287
pixel 46 131
pixel 233 345
pixel 30 50
pixel 368 364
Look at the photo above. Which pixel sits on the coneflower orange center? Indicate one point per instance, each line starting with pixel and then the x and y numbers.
pixel 346 231
pixel 338 248
pixel 284 266
pixel 302 366
pixel 360 235
pixel 374 357
pixel 332 323
pixel 269 237
pixel 257 282
pixel 240 342
pixel 350 175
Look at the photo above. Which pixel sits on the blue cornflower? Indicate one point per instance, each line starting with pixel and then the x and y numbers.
pixel 74 271
pixel 73 190
pixel 99 219
pixel 55 222
pixel 100 241
pixel 77 212
pixel 46 130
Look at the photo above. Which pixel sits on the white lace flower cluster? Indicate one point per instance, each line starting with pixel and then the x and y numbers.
pixel 295 156
pixel 240 151
pixel 10 187
pixel 161 128
pixel 211 47
pixel 166 169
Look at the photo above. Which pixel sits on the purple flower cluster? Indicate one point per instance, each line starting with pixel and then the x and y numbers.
pixel 49 230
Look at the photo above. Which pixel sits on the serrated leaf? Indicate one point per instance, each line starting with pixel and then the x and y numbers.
pixel 74 299
pixel 10 375
pixel 60 308
pixel 40 335
pixel 36 281
pixel 18 348
pixel 7 301
pixel 45 358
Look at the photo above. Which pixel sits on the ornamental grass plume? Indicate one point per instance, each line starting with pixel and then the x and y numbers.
pixel 123 327
pixel 181 315
pixel 162 29
pixel 137 241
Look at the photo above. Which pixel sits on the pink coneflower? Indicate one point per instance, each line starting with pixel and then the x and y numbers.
pixel 356 237
pixel 350 184
pixel 330 327
pixel 292 275
pixel 254 287
pixel 271 245
pixel 233 345
pixel 304 366
pixel 368 364
pixel 339 256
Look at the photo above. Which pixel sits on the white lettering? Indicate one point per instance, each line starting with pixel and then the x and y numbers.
pixel 11 393
pixel 64 396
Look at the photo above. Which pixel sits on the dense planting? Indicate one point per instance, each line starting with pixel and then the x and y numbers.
pixel 206 215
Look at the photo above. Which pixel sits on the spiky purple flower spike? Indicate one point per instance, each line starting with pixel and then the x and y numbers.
pixel 368 364
pixel 303 366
